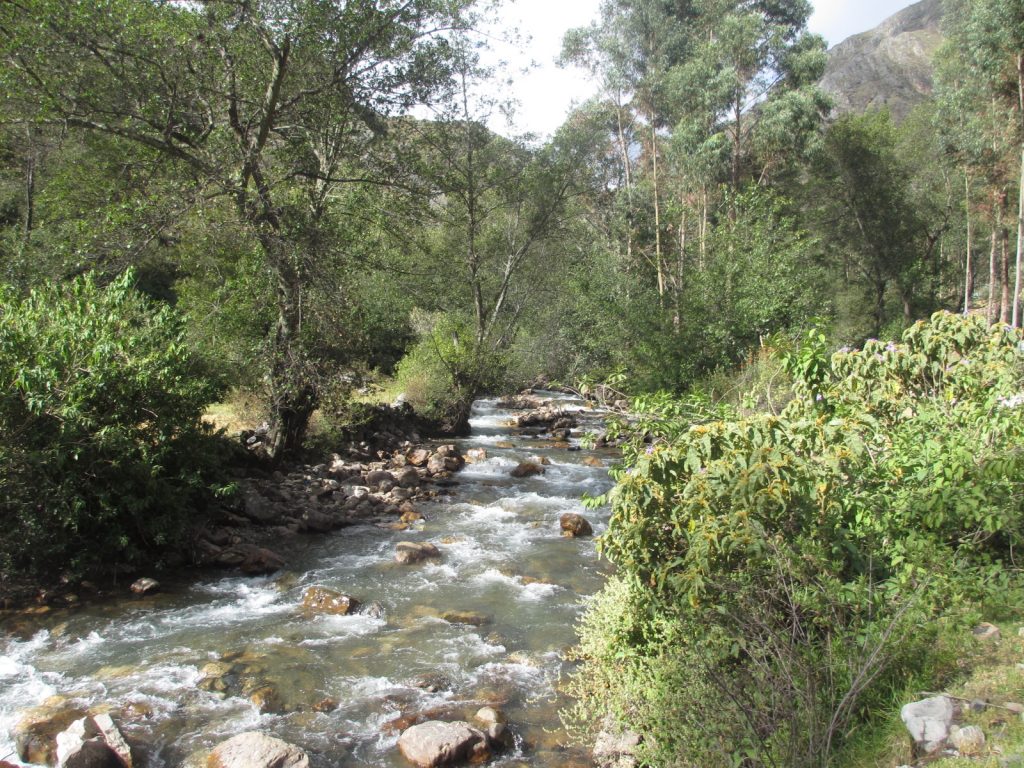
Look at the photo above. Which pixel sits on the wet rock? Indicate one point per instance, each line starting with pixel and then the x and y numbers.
pixel 544 461
pixel 145 586
pixel 326 705
pixel 574 525
pixel 93 742
pixel 432 682
pixel 374 610
pixel 527 469
pixel 593 461
pixel 35 734
pixel 986 631
pixel 928 721
pixel 257 508
pixel 267 700
pixel 488 716
pixel 519 403
pixel 436 743
pixel 419 457
pixel 321 600
pixel 317 522
pixel 409 513
pixel 410 552
pixel 476 455
pixel 969 740
pixel 407 478
pixel 469 618
pixel 377 477
pixel 504 444
pixel 257 750
pixel 259 561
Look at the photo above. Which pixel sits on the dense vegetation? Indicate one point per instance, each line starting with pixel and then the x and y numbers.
pixel 290 199
pixel 796 569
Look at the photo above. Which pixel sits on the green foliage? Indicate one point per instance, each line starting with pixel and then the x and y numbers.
pixel 103 458
pixel 799 566
pixel 447 368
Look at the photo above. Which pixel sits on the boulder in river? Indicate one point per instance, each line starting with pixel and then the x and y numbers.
pixel 435 743
pixel 253 749
pixel 411 552
pixel 574 525
pixel 93 742
pixel 145 586
pixel 469 618
pixel 35 734
pixel 328 601
pixel 527 469
pixel 476 455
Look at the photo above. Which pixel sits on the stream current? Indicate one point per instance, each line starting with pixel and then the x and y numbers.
pixel 504 560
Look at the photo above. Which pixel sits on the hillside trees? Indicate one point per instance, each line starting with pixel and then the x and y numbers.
pixel 701 100
pixel 273 105
pixel 981 76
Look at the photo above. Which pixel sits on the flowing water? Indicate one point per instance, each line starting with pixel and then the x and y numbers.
pixel 504 558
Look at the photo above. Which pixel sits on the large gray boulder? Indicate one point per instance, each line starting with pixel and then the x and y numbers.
pixel 257 750
pixel 436 743
pixel 929 721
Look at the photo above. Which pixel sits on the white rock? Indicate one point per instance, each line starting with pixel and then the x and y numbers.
pixel 928 721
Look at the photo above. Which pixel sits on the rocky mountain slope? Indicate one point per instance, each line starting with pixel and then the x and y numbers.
pixel 890 65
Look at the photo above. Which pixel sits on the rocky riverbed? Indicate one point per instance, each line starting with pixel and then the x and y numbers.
pixel 361 601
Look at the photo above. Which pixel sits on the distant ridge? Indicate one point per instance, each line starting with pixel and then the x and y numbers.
pixel 890 65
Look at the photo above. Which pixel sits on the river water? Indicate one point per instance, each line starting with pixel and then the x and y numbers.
pixel 149 660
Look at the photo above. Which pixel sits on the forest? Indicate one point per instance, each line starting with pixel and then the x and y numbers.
pixel 294 206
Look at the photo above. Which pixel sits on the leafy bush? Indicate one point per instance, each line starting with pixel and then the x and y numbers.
pixel 796 568
pixel 447 369
pixel 103 457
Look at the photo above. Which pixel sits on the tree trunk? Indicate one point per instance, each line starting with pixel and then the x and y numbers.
pixel 879 310
pixel 31 161
pixel 993 271
pixel 293 391
pixel 969 271
pixel 1004 276
pixel 657 215
pixel 1015 320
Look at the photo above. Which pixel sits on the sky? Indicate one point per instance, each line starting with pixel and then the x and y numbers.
pixel 546 93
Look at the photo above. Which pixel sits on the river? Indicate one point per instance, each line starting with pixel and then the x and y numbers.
pixel 149 660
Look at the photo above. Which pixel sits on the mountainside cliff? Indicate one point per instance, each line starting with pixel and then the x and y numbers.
pixel 890 65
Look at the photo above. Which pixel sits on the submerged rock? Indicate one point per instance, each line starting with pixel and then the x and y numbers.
pixel 527 469
pixel 436 743
pixel 411 552
pixel 257 750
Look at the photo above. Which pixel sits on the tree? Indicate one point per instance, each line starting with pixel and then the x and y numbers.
pixel 271 103
pixel 983 69
pixel 866 214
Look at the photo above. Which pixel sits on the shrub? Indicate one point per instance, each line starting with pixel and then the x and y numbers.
pixel 103 457
pixel 797 568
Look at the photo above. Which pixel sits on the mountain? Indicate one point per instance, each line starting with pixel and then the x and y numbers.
pixel 890 65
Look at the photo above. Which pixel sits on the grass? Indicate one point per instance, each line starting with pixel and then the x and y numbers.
pixel 986 671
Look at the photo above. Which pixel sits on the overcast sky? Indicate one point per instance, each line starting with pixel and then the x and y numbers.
pixel 546 93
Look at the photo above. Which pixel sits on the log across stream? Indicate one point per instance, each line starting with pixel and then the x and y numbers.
pixel 487 624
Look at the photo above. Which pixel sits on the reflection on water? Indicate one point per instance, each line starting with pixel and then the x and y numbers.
pixel 180 667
